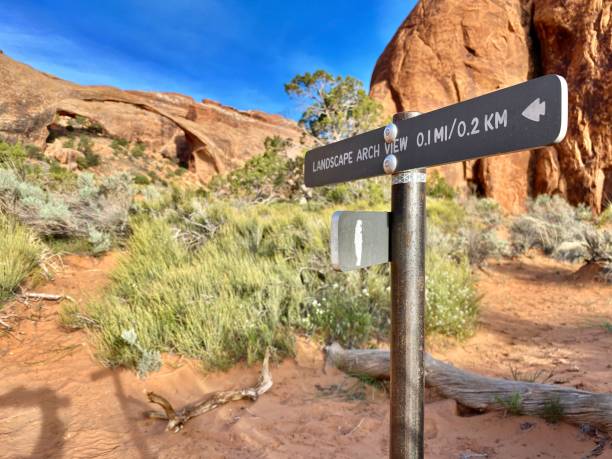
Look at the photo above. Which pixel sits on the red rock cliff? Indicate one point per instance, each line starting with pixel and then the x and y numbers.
pixel 451 50
pixel 210 137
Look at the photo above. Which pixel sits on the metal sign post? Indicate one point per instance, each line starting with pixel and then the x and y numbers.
pixel 524 116
pixel 407 310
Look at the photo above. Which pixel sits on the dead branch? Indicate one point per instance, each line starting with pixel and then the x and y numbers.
pixel 45 296
pixel 485 393
pixel 177 419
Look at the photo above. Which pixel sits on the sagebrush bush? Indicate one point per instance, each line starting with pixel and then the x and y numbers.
pixel 20 254
pixel 94 209
pixel 557 228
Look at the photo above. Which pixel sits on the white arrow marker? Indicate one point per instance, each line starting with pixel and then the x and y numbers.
pixel 358 241
pixel 535 110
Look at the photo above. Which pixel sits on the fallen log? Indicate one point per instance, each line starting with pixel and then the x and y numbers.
pixel 177 419
pixel 483 393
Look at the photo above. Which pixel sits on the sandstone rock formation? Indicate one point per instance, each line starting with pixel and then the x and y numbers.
pixel 207 137
pixel 451 50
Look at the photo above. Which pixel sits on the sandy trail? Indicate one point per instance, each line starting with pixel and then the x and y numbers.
pixel 56 400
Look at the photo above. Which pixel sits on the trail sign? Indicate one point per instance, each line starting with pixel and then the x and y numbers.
pixel 359 239
pixel 524 116
pixel 521 117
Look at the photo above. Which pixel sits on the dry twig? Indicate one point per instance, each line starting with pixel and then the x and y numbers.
pixel 177 419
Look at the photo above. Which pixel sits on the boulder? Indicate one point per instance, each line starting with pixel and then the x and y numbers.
pixel 64 155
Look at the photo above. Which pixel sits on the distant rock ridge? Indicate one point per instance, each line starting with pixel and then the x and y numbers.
pixel 447 51
pixel 209 137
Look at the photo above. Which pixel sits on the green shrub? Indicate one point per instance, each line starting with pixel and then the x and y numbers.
pixel 85 144
pixel 220 303
pixel 451 297
pixel 12 156
pixel 438 187
pixel 89 158
pixel 478 233
pixel 140 179
pixel 445 214
pixel 119 145
pixel 21 254
pixel 34 152
pixel 100 242
pixel 60 177
pixel 260 174
pixel 138 150
pixel 68 143
pixel 351 308
pixel 154 177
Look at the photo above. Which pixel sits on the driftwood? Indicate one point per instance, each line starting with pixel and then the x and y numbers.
pixel 177 419
pixel 484 393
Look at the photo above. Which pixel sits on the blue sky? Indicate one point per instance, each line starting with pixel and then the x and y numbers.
pixel 239 53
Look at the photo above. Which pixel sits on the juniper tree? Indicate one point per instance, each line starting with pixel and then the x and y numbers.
pixel 338 106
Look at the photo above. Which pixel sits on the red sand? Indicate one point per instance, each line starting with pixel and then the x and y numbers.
pixel 56 400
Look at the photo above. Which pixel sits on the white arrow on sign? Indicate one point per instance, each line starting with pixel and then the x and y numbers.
pixel 535 110
pixel 358 241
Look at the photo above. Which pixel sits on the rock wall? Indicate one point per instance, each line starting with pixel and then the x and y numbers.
pixel 174 125
pixel 447 51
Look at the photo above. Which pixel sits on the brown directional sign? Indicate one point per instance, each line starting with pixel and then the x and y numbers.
pixel 524 116
pixel 359 239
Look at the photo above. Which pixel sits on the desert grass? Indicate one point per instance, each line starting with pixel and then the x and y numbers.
pixel 21 254
pixel 260 275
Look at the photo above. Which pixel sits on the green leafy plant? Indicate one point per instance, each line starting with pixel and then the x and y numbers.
pixel 148 361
